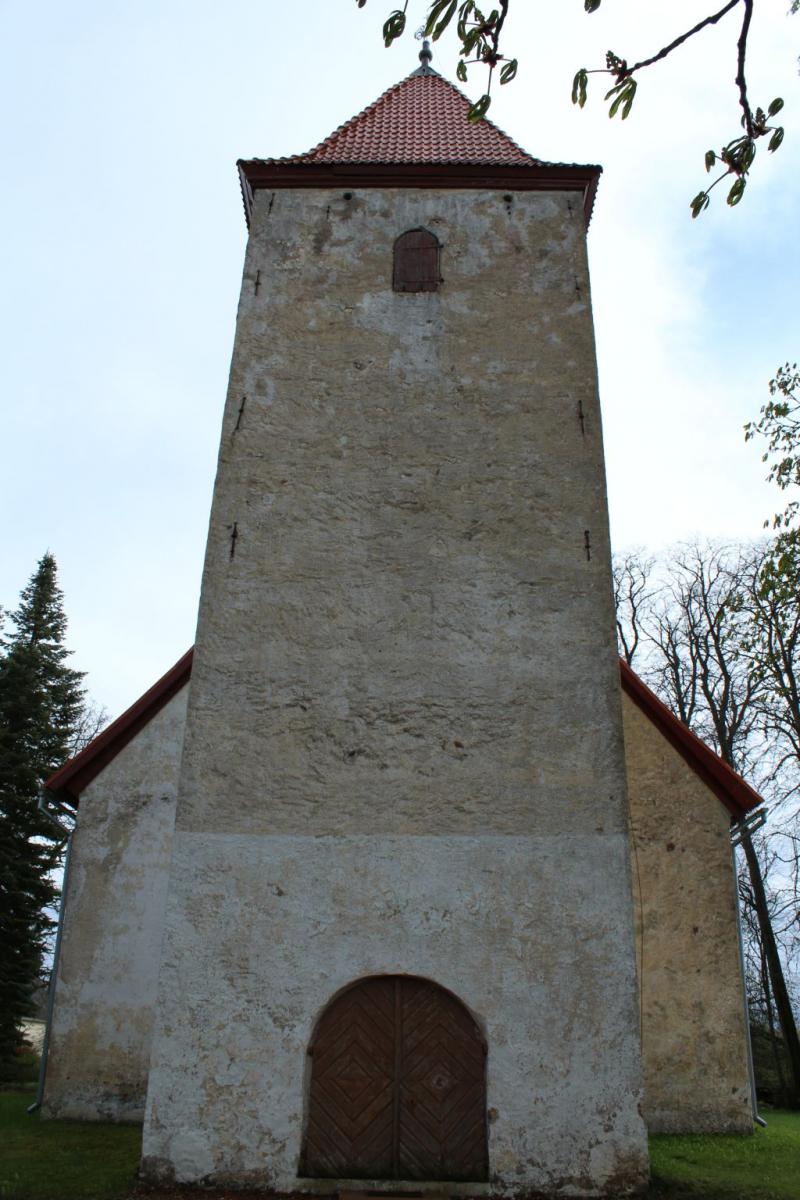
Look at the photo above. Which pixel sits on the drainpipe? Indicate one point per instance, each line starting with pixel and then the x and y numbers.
pixel 750 823
pixel 45 804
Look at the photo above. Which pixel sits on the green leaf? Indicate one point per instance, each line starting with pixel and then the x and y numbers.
pixel 436 10
pixel 700 202
pixel 776 139
pixel 711 158
pixel 393 27
pixel 463 16
pixel 629 97
pixel 612 112
pixel 591 5
pixel 775 107
pixel 478 110
pixel 579 87
pixel 461 71
pixel 508 71
pixel 445 21
pixel 625 92
pixel 470 41
pixel 737 191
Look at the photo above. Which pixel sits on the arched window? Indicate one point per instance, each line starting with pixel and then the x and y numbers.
pixel 416 262
pixel 398 1085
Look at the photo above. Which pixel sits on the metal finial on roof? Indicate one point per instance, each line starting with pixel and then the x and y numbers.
pixel 425 56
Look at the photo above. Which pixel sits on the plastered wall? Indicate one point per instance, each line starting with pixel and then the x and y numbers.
pixel 404 747
pixel 323 912
pixel 695 1068
pixel 410 480
pixel 105 990
pixel 693 1043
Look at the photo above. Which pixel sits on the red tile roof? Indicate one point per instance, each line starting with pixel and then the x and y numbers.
pixel 417 135
pixel 77 773
pixel 422 119
pixel 737 796
pixel 70 780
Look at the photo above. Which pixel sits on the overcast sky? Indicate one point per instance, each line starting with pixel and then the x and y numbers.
pixel 123 236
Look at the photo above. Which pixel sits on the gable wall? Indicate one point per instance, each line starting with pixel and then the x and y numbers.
pixel 693 1028
pixel 105 991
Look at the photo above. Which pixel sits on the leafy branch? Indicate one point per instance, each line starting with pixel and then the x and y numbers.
pixel 479 36
pixel 738 155
pixel 779 423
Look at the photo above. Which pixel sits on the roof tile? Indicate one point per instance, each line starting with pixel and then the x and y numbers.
pixel 422 119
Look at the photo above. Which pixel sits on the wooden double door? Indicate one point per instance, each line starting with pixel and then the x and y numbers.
pixel 398 1086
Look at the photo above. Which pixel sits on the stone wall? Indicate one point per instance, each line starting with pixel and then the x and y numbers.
pixel 404 747
pixel 114 916
pixel 693 1041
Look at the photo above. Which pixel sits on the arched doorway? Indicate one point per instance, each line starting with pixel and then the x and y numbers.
pixel 398 1085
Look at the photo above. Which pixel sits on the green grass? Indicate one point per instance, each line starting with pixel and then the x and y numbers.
pixel 83 1160
pixel 63 1160
pixel 765 1166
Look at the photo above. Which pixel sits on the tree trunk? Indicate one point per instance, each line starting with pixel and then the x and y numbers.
pixel 781 996
pixel 777 1051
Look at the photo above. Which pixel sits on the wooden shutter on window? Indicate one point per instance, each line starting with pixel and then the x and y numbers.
pixel 416 262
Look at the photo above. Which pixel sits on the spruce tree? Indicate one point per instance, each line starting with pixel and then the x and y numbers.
pixel 41 702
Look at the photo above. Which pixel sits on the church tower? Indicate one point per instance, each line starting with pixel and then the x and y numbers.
pixel 398 946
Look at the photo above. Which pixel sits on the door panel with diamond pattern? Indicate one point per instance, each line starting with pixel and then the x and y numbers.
pixel 398 1086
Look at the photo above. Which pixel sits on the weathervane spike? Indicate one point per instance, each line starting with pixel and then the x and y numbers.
pixel 425 54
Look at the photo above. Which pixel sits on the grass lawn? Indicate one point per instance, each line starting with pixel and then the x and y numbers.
pixel 82 1160
pixel 63 1160
pixel 765 1166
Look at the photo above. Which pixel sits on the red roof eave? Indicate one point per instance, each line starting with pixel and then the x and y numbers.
pixel 737 796
pixel 541 177
pixel 77 773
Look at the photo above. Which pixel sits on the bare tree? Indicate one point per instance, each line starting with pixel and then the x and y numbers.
pixel 633 597
pixel 92 720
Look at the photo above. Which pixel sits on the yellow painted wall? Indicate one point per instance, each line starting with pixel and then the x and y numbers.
pixel 693 1028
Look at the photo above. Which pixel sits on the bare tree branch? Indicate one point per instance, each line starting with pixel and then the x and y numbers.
pixel 684 37
pixel 741 81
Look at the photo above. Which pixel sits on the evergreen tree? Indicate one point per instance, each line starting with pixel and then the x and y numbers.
pixel 41 703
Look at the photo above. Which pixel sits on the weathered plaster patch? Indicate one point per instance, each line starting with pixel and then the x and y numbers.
pixel 105 991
